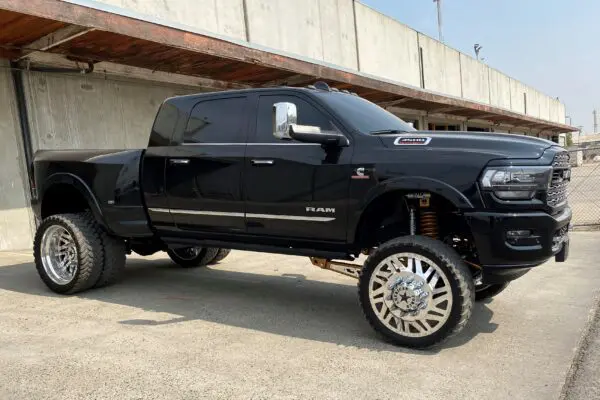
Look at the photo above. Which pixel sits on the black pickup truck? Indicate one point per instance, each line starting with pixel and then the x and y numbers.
pixel 443 218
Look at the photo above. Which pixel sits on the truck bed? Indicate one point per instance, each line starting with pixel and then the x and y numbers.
pixel 108 179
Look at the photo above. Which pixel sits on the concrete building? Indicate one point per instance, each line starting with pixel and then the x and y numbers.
pixel 91 74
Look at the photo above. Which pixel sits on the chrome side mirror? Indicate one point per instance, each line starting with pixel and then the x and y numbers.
pixel 284 115
pixel 285 127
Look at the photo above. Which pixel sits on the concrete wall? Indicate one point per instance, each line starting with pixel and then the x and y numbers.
pixel 226 19
pixel 533 102
pixel 561 113
pixel 544 102
pixel 318 29
pixel 386 47
pixel 72 112
pixel 499 89
pixel 474 79
pixel 15 216
pixel 441 67
pixel 553 110
pixel 354 36
pixel 517 99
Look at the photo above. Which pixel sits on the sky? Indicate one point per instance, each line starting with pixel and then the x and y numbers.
pixel 552 45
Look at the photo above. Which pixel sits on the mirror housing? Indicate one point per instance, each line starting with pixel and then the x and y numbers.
pixel 284 115
pixel 313 134
pixel 285 126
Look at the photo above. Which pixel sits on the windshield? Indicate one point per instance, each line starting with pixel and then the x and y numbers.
pixel 364 116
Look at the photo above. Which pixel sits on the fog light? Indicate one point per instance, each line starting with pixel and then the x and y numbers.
pixel 522 237
pixel 518 234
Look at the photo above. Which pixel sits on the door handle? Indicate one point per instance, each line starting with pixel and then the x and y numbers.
pixel 263 162
pixel 179 161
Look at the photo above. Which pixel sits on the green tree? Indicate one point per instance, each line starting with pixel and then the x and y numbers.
pixel 569 139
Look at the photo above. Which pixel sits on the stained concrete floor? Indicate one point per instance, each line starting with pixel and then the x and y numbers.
pixel 268 326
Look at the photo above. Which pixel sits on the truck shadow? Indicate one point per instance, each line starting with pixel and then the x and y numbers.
pixel 288 305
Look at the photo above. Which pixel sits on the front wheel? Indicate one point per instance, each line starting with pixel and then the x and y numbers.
pixel 416 291
pixel 190 257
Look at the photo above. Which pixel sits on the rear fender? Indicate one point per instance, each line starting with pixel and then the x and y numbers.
pixel 83 188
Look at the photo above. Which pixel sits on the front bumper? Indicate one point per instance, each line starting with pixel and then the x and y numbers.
pixel 503 259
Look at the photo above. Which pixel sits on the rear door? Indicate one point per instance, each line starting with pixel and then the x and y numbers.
pixel 204 168
pixel 293 189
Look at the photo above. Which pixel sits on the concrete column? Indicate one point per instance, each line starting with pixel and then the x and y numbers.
pixel 16 218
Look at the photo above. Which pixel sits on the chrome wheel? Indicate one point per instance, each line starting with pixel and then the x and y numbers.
pixel 187 253
pixel 59 255
pixel 410 294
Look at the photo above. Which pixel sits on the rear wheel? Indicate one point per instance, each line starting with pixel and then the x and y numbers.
pixel 416 291
pixel 483 292
pixel 221 254
pixel 68 252
pixel 190 257
pixel 114 260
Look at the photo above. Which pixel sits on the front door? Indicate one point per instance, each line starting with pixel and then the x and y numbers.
pixel 292 189
pixel 204 171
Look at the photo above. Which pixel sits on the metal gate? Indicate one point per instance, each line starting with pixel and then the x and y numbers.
pixel 584 189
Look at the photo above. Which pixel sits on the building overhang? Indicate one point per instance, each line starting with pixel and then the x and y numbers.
pixel 92 35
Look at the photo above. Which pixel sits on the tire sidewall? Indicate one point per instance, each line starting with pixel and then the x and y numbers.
pixel 47 223
pixel 199 261
pixel 457 300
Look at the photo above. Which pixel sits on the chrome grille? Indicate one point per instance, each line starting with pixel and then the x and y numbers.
pixel 561 175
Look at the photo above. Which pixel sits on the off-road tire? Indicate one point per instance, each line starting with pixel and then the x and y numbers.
pixel 489 291
pixel 221 254
pixel 459 277
pixel 206 255
pixel 87 235
pixel 114 260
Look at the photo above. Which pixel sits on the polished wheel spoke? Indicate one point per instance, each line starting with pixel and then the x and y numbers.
pixel 59 254
pixel 410 294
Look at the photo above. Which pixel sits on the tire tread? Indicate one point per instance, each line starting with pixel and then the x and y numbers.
pixel 458 269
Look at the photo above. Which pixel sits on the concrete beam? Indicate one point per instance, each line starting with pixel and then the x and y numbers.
pixel 54 39
pixel 394 102
pixel 444 110
pixel 125 71
pixel 239 54
pixel 406 111
pixel 293 80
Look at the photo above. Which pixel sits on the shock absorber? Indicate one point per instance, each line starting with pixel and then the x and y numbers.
pixel 428 224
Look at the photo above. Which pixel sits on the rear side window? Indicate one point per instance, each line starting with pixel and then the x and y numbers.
pixel 164 124
pixel 217 121
pixel 307 115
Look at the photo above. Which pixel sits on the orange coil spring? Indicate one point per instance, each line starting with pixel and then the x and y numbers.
pixel 429 225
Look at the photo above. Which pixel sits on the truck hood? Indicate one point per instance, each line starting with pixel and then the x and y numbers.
pixel 494 145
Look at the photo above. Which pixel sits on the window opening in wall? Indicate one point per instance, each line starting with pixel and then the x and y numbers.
pixel 443 127
pixel 477 129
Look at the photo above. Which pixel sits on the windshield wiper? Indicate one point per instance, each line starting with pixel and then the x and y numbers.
pixel 387 131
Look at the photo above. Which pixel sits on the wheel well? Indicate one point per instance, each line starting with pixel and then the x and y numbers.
pixel 388 216
pixel 62 199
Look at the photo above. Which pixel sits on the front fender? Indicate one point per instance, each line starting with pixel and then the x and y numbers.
pixel 418 184
pixel 408 184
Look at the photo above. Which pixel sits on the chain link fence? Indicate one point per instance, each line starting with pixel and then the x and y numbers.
pixel 584 189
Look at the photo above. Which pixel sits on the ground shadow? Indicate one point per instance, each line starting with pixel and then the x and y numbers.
pixel 287 305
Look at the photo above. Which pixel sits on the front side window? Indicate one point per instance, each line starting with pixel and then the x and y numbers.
pixel 217 121
pixel 364 116
pixel 307 115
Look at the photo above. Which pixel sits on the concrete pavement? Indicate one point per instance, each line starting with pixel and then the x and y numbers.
pixel 270 326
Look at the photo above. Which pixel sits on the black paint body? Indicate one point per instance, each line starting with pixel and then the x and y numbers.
pixel 254 193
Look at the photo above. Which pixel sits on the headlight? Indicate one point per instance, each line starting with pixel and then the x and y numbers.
pixel 516 183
